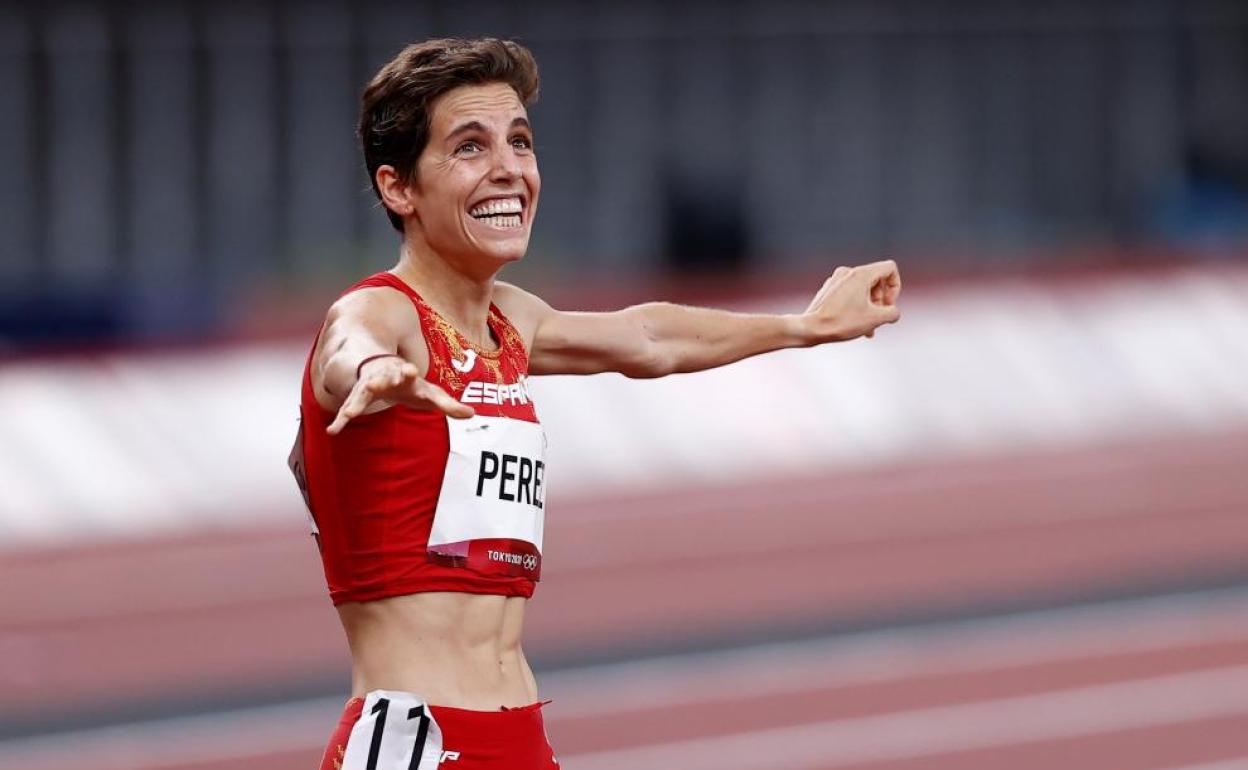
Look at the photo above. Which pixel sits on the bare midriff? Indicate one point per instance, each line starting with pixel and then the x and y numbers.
pixel 452 649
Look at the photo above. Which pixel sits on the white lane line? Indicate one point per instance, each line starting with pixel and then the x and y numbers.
pixel 1059 634
pixel 1230 764
pixel 303 727
pixel 933 731
pixel 239 734
pixel 1138 625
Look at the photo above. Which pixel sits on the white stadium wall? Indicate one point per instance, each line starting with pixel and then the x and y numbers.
pixel 133 445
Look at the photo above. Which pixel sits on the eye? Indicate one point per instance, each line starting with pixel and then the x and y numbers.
pixel 522 143
pixel 468 148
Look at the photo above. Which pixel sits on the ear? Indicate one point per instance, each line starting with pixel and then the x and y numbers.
pixel 396 194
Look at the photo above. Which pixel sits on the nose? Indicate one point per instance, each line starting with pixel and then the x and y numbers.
pixel 505 165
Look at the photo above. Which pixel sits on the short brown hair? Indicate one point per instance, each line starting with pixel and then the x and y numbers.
pixel 394 111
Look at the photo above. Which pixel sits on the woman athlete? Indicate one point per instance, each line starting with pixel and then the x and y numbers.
pixel 420 453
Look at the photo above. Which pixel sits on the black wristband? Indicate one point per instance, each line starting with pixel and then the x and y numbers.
pixel 360 365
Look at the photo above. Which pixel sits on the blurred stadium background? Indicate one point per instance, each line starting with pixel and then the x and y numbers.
pixel 1011 531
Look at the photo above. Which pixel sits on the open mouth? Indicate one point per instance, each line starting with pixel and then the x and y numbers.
pixel 505 213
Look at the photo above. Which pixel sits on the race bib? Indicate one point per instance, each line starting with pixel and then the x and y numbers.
pixel 490 511
pixel 395 731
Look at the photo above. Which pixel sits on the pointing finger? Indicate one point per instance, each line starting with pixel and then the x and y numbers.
pixel 450 407
pixel 359 398
pixel 340 420
pixel 336 426
pixel 455 409
pixel 442 401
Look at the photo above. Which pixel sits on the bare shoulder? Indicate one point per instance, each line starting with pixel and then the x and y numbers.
pixel 524 309
pixel 361 323
pixel 379 312
pixel 374 305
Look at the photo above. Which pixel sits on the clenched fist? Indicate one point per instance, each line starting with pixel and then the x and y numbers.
pixel 854 302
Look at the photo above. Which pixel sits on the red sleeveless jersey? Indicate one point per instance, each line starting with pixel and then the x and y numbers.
pixel 407 500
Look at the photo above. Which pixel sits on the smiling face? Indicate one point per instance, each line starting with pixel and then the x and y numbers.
pixel 476 184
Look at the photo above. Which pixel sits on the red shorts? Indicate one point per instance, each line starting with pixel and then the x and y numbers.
pixel 400 732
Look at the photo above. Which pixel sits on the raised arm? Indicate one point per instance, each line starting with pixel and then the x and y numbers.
pixel 656 339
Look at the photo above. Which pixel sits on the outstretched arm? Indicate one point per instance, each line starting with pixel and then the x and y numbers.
pixel 656 339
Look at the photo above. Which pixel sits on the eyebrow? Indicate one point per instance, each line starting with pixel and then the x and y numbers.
pixel 476 125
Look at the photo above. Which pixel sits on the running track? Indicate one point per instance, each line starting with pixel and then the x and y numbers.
pixel 913 601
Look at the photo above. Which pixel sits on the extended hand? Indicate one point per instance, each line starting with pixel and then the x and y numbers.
pixel 854 302
pixel 395 380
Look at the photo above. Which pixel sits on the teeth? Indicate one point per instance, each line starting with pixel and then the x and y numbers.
pixel 501 220
pixel 497 206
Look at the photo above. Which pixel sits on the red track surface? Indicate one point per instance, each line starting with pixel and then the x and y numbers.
pixel 1155 688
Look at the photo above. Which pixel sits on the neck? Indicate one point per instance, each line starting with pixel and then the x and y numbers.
pixel 459 297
